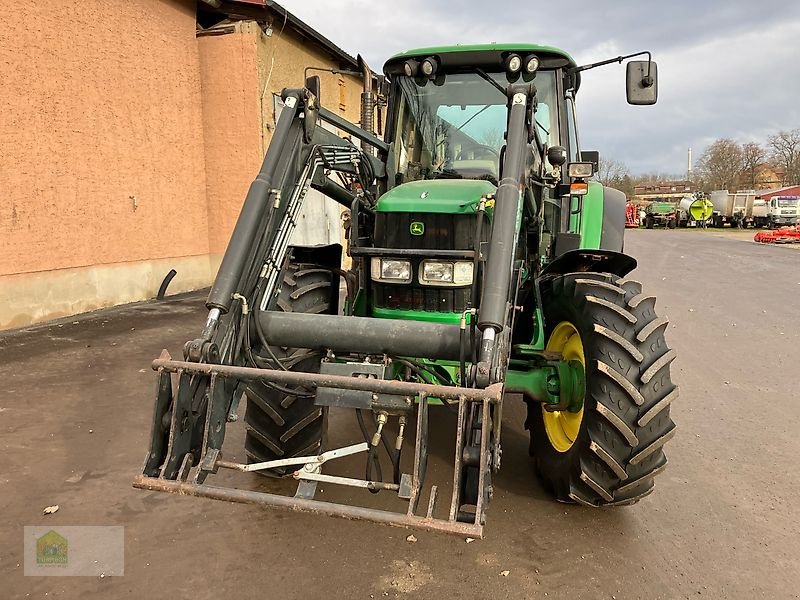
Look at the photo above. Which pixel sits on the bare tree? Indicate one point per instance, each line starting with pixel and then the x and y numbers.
pixel 492 137
pixel 753 156
pixel 721 165
pixel 785 152
pixel 610 172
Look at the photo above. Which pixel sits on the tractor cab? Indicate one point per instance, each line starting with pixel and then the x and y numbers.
pixel 449 108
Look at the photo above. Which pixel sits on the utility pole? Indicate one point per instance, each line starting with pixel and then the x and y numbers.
pixel 689 166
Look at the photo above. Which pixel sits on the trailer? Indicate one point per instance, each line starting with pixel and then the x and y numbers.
pixel 734 209
pixel 694 210
pixel 661 214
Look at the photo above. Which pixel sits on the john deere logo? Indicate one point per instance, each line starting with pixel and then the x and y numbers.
pixel 51 549
pixel 417 228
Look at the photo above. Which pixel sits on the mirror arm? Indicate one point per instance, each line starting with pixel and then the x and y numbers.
pixel 647 81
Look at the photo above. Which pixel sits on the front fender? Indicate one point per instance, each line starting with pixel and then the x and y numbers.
pixel 587 260
pixel 603 218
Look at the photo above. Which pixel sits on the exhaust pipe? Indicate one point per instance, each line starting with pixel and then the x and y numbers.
pixel 367 98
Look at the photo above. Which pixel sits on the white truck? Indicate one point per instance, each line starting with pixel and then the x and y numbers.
pixel 779 211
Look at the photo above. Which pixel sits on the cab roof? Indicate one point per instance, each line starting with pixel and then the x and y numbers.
pixel 489 57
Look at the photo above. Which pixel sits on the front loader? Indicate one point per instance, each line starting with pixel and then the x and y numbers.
pixel 487 267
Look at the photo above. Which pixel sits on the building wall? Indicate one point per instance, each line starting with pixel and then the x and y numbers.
pixel 231 123
pixel 102 168
pixel 127 146
pixel 241 73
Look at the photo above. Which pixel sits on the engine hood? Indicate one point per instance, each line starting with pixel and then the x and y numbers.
pixel 448 196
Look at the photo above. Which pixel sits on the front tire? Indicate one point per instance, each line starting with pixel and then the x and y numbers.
pixel 283 425
pixel 613 452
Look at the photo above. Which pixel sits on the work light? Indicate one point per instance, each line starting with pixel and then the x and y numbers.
pixel 531 63
pixel 410 67
pixel 429 66
pixel 513 63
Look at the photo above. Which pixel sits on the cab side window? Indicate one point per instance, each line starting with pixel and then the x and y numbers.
pixel 572 132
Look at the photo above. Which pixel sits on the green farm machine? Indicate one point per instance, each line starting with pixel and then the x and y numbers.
pixel 487 267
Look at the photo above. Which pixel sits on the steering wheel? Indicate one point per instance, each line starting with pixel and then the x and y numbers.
pixel 480 149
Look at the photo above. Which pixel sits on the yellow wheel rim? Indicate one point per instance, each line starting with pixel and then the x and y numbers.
pixel 562 427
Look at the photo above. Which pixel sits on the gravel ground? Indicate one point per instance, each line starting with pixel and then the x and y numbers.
pixel 723 521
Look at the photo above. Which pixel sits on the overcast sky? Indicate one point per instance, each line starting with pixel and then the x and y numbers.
pixel 727 68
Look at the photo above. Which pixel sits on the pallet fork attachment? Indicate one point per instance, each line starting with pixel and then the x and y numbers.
pixel 174 464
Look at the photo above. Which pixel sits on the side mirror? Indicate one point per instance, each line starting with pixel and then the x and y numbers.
pixel 592 156
pixel 313 86
pixel 641 82
pixel 383 86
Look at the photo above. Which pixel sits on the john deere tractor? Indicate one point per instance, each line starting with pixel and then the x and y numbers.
pixel 487 267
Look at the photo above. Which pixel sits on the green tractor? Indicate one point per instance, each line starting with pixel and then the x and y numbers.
pixel 662 214
pixel 487 267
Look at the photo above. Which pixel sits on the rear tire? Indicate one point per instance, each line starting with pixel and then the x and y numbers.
pixel 280 425
pixel 619 447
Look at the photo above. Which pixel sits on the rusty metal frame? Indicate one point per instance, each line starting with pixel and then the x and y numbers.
pixel 180 483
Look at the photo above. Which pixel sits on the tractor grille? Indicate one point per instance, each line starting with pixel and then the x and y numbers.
pixel 413 296
pixel 442 232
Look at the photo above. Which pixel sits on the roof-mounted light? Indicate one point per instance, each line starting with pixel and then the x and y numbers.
pixel 429 66
pixel 513 63
pixel 531 63
pixel 410 67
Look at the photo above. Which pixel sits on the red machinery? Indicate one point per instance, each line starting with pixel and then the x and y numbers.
pixel 784 235
pixel 631 215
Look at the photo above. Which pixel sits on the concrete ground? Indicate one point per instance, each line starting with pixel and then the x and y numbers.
pixel 75 403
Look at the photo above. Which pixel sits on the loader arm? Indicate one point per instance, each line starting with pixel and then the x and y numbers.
pixel 197 397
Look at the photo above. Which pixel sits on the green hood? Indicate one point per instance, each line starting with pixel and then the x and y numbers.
pixel 449 196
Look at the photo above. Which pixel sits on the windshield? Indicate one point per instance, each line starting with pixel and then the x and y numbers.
pixel 788 202
pixel 455 126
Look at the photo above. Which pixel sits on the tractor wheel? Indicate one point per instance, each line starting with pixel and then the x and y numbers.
pixel 649 221
pixel 609 452
pixel 277 424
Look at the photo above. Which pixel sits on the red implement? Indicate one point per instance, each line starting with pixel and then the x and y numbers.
pixel 784 235
pixel 631 215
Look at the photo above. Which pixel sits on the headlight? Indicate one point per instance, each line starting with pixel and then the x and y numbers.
pixel 391 271
pixel 435 272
